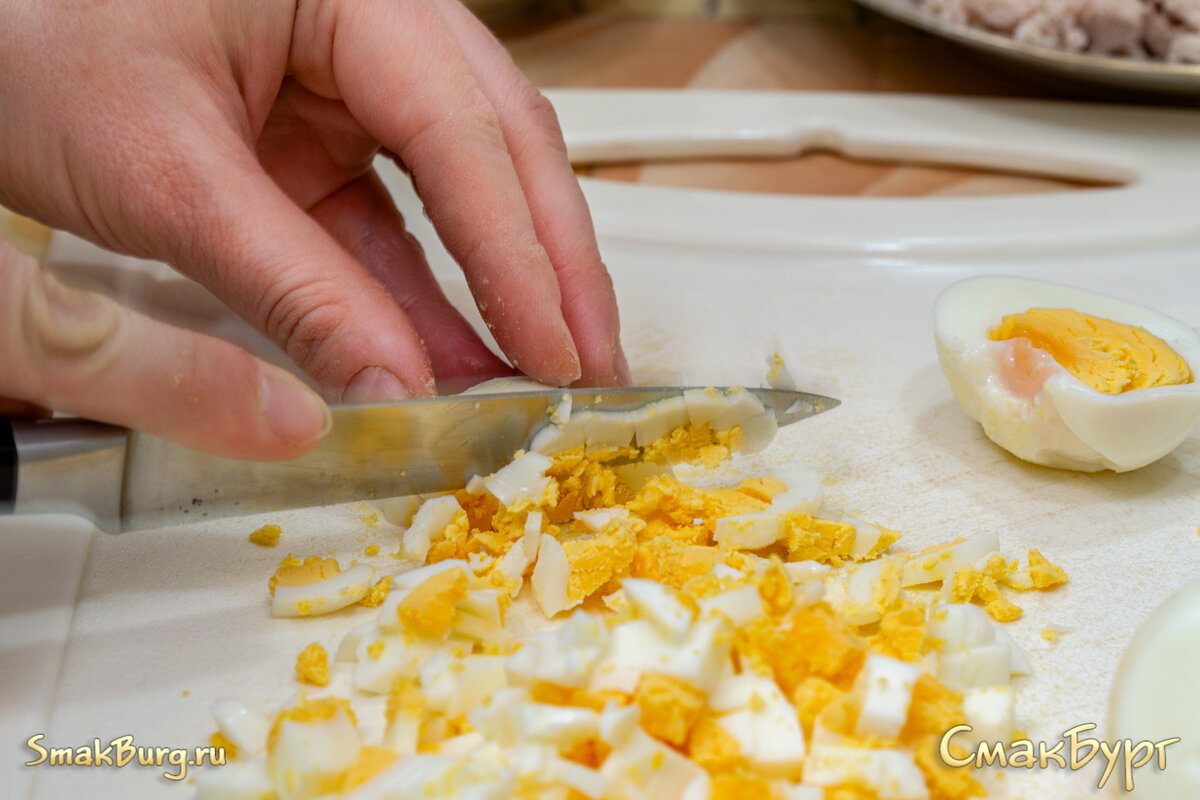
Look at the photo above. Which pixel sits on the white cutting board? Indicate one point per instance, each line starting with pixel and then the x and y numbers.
pixel 710 284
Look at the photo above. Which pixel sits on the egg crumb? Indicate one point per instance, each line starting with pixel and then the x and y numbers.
pixel 1050 635
pixel 1044 574
pixel 266 536
pixel 312 665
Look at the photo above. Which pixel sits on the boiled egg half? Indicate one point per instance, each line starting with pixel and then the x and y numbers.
pixel 1068 378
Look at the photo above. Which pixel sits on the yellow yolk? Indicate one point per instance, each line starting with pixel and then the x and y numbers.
pixel 266 536
pixel 1107 356
pixel 670 708
pixel 219 741
pixel 312 665
pixel 294 572
pixel 430 607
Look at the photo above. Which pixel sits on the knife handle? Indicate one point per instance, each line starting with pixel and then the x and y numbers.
pixel 62 464
pixel 8 466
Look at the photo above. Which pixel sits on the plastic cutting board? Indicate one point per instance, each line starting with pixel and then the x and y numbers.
pixel 710 284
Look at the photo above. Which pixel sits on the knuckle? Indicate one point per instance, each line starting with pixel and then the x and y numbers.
pixel 303 322
pixel 69 336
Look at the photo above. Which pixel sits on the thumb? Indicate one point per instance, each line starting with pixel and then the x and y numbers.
pixel 80 353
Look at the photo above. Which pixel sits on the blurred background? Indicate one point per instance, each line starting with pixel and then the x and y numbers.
pixel 920 46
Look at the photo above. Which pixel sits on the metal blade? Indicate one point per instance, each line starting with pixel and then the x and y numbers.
pixel 376 451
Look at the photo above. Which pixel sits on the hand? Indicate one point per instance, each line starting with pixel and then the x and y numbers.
pixel 234 140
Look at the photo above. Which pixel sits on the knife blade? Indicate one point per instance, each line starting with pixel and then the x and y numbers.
pixel 130 480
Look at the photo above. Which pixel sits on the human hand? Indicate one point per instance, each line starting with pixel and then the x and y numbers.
pixel 235 141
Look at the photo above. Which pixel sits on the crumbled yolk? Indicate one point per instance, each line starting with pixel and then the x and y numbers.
pixel 312 665
pixel 1044 574
pixel 595 560
pixel 294 572
pixel 266 536
pixel 376 593
pixel 1108 356
pixel 430 607
pixel 712 747
pixel 1050 635
pixel 670 708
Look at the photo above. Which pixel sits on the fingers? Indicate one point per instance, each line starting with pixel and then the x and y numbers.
pixel 80 353
pixel 401 73
pixel 229 225
pixel 558 209
pixel 363 218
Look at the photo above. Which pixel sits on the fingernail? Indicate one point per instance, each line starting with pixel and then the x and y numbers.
pixel 374 385
pixel 292 411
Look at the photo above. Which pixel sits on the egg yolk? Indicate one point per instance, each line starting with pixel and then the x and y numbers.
pixel 1107 356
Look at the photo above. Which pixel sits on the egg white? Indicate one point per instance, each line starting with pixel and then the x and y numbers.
pixel 1066 424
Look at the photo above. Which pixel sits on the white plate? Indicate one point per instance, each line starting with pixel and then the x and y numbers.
pixel 1127 75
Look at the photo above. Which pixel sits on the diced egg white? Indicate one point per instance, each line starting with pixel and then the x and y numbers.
pixel 891 774
pixel 563 656
pixel 990 711
pixel 887 686
pixel 660 605
pixel 308 754
pixel 550 575
pixel 324 596
pixel 430 520
pixel 238 723
pixel 752 709
pixel 522 479
pixel 943 562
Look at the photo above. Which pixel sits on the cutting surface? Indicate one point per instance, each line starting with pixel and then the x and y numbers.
pixel 168 621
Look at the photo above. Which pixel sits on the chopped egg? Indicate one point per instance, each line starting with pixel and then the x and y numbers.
pixel 1154 695
pixel 323 596
pixel 664 647
pixel 1066 378
pixel 430 521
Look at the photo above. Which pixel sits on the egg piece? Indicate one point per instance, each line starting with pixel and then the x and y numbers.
pixel 643 768
pixel 766 729
pixel 430 520
pixel 990 712
pixel 660 605
pixel 323 596
pixel 891 774
pixel 550 576
pixel 311 745
pixel 887 686
pixel 524 478
pixel 563 656
pixel 236 780
pixel 243 726
pixel 1154 696
pixel 1051 413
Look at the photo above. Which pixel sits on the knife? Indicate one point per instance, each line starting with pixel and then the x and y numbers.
pixel 130 480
